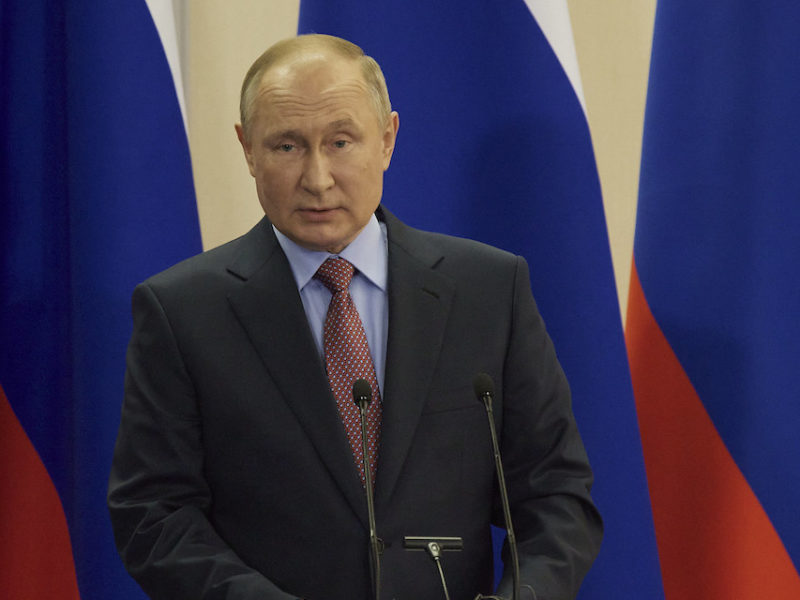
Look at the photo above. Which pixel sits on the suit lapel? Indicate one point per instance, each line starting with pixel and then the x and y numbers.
pixel 419 303
pixel 269 308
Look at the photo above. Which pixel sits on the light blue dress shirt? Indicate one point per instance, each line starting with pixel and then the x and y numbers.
pixel 369 254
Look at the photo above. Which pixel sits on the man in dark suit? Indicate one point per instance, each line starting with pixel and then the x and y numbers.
pixel 235 472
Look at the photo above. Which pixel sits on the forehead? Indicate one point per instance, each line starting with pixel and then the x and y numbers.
pixel 311 84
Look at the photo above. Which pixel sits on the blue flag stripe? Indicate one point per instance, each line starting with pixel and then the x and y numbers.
pixel 99 195
pixel 493 145
pixel 716 235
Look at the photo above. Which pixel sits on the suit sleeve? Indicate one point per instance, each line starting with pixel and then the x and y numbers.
pixel 158 497
pixel 557 526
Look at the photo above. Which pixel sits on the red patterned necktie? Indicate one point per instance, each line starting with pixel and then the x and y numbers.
pixel 347 358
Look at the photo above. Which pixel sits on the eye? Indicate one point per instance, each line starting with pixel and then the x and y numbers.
pixel 340 144
pixel 286 147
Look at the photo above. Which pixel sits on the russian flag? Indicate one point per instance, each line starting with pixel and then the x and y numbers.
pixel 97 194
pixel 713 327
pixel 494 145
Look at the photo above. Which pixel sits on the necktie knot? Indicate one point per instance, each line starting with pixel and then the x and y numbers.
pixel 335 274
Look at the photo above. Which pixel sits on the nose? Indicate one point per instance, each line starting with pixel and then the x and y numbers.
pixel 317 177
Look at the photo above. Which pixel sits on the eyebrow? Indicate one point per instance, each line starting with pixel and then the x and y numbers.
pixel 341 123
pixel 271 138
pixel 294 133
pixel 297 135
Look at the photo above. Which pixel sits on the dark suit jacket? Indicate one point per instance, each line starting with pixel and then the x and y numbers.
pixel 233 477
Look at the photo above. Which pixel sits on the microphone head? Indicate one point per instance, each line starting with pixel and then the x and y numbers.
pixel 483 386
pixel 362 391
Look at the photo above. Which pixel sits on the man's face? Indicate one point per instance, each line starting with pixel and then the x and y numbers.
pixel 317 150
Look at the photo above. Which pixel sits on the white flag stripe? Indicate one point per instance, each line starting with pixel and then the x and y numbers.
pixel 163 16
pixel 553 19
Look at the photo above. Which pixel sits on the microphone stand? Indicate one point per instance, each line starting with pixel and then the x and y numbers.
pixel 484 389
pixel 362 395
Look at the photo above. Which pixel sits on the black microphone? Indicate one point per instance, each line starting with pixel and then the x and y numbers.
pixel 484 390
pixel 362 396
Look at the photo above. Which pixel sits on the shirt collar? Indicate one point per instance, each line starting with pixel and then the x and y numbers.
pixel 368 253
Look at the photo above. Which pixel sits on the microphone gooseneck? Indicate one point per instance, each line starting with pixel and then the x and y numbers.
pixel 484 390
pixel 362 396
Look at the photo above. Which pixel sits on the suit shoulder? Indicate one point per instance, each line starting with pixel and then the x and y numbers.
pixel 459 245
pixel 454 248
pixel 207 266
pixel 466 263
pixel 204 263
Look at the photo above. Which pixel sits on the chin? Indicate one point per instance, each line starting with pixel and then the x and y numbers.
pixel 326 241
pixel 320 244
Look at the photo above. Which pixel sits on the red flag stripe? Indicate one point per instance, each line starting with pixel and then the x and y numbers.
pixel 35 552
pixel 714 538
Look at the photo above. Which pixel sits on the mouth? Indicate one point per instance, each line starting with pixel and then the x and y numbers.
pixel 318 214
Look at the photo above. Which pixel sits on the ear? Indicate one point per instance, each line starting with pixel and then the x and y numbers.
pixel 389 138
pixel 246 147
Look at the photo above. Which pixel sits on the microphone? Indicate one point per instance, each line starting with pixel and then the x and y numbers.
pixel 362 396
pixel 484 390
pixel 362 393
